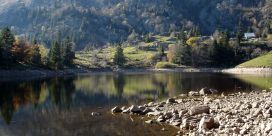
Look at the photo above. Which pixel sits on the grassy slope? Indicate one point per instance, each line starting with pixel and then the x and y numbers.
pixel 135 57
pixel 262 61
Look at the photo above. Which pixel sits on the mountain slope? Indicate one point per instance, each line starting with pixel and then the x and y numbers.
pixel 97 22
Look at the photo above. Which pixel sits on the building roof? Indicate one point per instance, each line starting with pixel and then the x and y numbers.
pixel 249 35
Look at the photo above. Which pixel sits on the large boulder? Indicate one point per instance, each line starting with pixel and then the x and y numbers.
pixel 135 109
pixel 199 110
pixel 207 123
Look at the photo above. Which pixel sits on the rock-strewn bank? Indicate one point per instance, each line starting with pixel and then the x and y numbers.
pixel 233 114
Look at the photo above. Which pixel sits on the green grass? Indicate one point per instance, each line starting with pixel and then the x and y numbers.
pixel 262 61
pixel 166 65
pixel 104 57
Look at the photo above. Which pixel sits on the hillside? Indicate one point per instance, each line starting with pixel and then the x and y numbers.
pixel 262 61
pixel 98 22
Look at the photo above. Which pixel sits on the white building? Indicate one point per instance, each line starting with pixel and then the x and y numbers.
pixel 248 36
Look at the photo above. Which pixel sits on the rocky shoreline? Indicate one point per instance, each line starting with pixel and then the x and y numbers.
pixel 203 113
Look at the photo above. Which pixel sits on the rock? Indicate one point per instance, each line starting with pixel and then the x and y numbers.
pixel 135 109
pixel 193 93
pixel 161 119
pixel 199 110
pixel 207 100
pixel 182 112
pixel 147 110
pixel 168 115
pixel 255 105
pixel 126 110
pixel 236 130
pixel 150 104
pixel 116 110
pixel 205 91
pixel 239 120
pixel 257 112
pixel 268 128
pixel 175 123
pixel 174 111
pixel 123 108
pixel 155 113
pixel 95 114
pixel 179 101
pixel 149 121
pixel 185 124
pixel 170 101
pixel 243 131
pixel 206 123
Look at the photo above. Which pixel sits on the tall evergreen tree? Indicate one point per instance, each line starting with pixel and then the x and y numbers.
pixel 68 54
pixel 239 34
pixel 6 42
pixel 119 57
pixel 55 60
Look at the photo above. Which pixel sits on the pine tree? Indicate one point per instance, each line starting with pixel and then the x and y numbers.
pixel 239 34
pixel 55 60
pixel 119 57
pixel 6 42
pixel 68 54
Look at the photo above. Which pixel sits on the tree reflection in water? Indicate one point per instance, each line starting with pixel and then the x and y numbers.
pixel 108 89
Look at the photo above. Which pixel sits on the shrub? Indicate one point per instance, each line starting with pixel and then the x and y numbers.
pixel 166 65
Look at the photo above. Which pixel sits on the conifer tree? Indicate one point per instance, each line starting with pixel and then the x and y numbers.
pixel 6 42
pixel 119 57
pixel 55 60
pixel 68 54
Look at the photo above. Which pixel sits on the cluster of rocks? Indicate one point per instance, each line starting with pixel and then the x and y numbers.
pixel 200 114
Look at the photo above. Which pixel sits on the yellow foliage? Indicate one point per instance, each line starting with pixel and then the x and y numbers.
pixel 193 41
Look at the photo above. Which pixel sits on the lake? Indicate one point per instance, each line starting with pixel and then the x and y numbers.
pixel 63 106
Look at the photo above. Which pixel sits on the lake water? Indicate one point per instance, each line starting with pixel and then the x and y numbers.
pixel 63 106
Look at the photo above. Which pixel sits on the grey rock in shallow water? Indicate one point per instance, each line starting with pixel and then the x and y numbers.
pixel 95 114
pixel 116 110
pixel 149 121
pixel 135 109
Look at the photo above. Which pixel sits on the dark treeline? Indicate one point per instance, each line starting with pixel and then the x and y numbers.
pixel 219 51
pixel 15 52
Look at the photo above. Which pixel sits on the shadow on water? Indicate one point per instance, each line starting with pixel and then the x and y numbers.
pixel 63 105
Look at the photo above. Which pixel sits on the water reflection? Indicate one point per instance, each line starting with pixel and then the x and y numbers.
pixel 18 98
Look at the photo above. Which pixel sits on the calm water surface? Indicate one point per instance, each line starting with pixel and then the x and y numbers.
pixel 63 106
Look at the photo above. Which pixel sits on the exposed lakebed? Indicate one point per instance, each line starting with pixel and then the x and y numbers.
pixel 65 105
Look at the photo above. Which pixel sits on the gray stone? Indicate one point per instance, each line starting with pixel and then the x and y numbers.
pixel 268 128
pixel 155 113
pixel 135 109
pixel 95 114
pixel 205 91
pixel 206 123
pixel 149 121
pixel 170 101
pixel 116 110
pixel 199 110
pixel 255 105
pixel 193 93
pixel 161 119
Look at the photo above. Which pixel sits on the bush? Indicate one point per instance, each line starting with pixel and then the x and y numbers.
pixel 166 65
